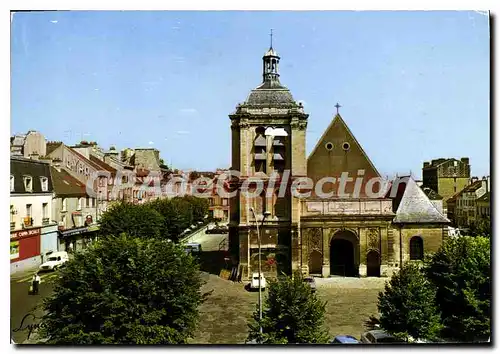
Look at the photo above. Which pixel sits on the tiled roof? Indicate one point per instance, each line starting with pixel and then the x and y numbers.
pixel 103 165
pixel 67 185
pixel 473 186
pixel 20 167
pixel 91 163
pixel 415 206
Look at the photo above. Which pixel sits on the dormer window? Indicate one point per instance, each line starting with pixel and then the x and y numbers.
pixel 28 183
pixel 11 183
pixel 44 181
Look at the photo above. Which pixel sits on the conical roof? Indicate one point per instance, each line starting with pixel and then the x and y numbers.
pixel 415 206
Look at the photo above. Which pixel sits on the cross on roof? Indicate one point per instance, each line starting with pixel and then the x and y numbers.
pixel 271 37
pixel 337 106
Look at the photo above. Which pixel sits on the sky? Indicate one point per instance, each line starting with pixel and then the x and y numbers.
pixel 413 86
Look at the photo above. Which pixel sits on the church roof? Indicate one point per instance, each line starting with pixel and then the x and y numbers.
pixel 415 206
pixel 271 52
pixel 270 94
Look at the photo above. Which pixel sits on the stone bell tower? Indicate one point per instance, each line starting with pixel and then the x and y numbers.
pixel 268 145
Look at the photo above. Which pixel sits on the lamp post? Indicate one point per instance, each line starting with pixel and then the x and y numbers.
pixel 266 214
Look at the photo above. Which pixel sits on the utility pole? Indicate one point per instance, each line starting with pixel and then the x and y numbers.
pixel 266 213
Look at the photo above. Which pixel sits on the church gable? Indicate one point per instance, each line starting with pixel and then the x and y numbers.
pixel 338 151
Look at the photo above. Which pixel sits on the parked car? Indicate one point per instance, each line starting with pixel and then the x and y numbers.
pixel 344 340
pixel 311 282
pixel 56 260
pixel 254 284
pixel 378 336
pixel 217 230
pixel 193 248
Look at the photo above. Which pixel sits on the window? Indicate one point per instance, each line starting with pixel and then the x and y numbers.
pixel 86 171
pixel 28 183
pixel 63 204
pixel 80 169
pixel 416 248
pixel 44 181
pixel 45 208
pixel 12 183
pixel 28 210
pixel 224 201
pixel 80 202
pixel 68 164
pixel 102 182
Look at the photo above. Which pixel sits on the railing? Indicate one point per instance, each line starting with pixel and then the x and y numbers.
pixel 27 221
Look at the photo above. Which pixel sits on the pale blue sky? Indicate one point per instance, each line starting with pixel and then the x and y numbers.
pixel 413 85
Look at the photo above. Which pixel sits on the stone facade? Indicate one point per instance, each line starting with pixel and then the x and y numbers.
pixel 346 235
pixel 446 176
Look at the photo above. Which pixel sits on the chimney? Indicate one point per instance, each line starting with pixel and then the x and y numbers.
pixel 426 164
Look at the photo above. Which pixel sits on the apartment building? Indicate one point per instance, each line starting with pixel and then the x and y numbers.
pixel 33 232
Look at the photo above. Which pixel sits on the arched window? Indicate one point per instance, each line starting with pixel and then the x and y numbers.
pixel 416 248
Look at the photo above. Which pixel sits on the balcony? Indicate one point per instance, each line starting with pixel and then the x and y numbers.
pixel 13 225
pixel 45 221
pixel 27 221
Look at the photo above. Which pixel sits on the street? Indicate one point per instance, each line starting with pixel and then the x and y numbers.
pixel 209 242
pixel 25 309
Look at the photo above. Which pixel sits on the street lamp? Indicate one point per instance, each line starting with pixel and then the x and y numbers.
pixel 266 214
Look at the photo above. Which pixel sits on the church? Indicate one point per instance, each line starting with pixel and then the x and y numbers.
pixel 323 233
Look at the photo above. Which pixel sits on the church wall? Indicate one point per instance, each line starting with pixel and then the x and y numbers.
pixel 432 236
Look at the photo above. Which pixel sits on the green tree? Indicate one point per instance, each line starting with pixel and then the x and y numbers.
pixel 125 290
pixel 461 272
pixel 407 305
pixel 134 220
pixel 291 314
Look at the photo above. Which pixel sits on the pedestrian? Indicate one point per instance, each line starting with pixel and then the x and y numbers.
pixel 70 249
pixel 36 283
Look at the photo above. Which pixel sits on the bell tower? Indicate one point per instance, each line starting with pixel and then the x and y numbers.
pixel 268 151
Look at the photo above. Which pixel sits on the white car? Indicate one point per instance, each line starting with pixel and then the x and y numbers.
pixel 254 284
pixel 55 260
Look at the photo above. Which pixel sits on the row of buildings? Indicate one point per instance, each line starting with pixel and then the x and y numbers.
pixel 465 199
pixel 59 192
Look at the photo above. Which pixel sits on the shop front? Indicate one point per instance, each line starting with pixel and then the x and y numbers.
pixel 77 239
pixel 25 249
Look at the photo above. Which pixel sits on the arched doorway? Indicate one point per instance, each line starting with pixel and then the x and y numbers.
pixel 344 258
pixel 315 262
pixel 373 264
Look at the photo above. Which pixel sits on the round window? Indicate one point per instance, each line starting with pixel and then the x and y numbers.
pixel 329 146
pixel 346 146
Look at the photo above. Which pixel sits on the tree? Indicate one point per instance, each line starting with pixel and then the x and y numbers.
pixel 461 272
pixel 407 305
pixel 291 314
pixel 125 290
pixel 481 228
pixel 134 220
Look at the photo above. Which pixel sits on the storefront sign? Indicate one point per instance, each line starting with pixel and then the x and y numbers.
pixel 14 250
pixel 76 231
pixel 24 233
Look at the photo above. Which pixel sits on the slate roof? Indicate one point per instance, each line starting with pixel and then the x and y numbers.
pixel 66 185
pixel 271 93
pixel 20 167
pixel 414 206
